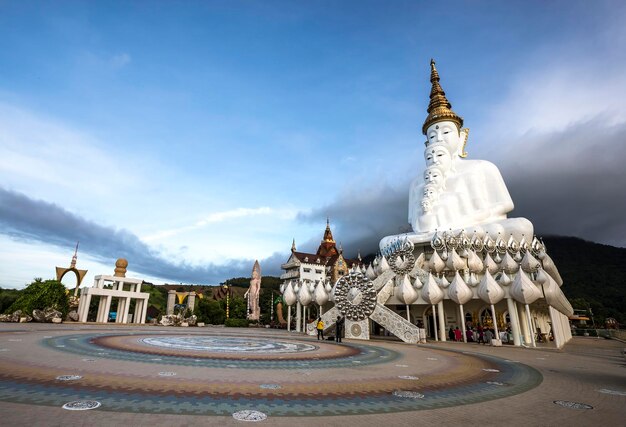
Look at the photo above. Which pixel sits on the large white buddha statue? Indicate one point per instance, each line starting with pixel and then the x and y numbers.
pixel 456 193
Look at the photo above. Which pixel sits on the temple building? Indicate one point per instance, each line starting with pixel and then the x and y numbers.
pixel 326 265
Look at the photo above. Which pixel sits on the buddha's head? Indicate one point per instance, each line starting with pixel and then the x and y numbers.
pixel 438 155
pixel 431 192
pixel 448 134
pixel 434 175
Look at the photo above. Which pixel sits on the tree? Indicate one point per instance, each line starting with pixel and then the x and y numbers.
pixel 40 295
pixel 209 311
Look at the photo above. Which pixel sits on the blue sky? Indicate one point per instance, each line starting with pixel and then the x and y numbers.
pixel 195 137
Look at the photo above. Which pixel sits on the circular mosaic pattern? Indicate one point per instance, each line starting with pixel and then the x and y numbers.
pixel 227 345
pixel 355 330
pixel 249 416
pixel 136 376
pixel 81 405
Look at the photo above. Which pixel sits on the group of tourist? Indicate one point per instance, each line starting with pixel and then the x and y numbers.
pixel 339 325
pixel 478 335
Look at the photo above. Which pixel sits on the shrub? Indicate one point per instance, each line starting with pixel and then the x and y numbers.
pixel 209 311
pixel 237 323
pixel 40 295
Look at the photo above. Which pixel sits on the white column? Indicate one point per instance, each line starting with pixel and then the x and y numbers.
pixel 495 322
pixel 171 301
pixel 120 309
pixel 191 301
pixel 530 327
pixel 521 315
pixel 83 309
pixel 463 322
pixel 101 309
pixel 514 321
pixel 442 321
pixel 144 311
pixel 288 318
pixel 298 316
pixel 435 323
pixel 138 310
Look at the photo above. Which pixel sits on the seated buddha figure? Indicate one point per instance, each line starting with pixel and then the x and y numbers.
pixel 472 194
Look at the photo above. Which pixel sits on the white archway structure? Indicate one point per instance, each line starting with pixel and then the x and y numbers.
pixel 125 289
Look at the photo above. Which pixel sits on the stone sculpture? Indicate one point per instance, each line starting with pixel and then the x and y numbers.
pixel 253 293
pixel 456 193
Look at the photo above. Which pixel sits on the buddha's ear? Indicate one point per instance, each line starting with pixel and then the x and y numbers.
pixel 463 134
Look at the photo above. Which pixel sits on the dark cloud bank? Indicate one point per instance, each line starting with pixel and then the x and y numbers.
pixel 23 218
pixel 569 183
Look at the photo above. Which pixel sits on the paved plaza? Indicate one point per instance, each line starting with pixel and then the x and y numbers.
pixel 156 376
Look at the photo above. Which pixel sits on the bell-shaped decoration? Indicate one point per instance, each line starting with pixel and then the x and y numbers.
pixel 431 292
pixel 488 290
pixel 420 261
pixel 477 243
pixel 437 242
pixel 406 293
pixel 458 291
pixel 512 246
pixel 529 263
pixel 474 263
pixel 548 265
pixel 504 279
pixel 473 280
pixel 304 295
pixel 320 295
pixel 370 272
pixel 554 297
pixel 500 245
pixel 384 266
pixel 454 261
pixel 443 282
pixel 523 245
pixel 435 263
pixel 524 290
pixel 489 244
pixel 490 264
pixel 289 296
pixel 508 264
pixel 417 283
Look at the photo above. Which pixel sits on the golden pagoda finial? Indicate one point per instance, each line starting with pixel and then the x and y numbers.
pixel 439 108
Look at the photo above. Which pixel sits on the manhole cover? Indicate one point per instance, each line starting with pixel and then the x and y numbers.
pixel 81 405
pixel 68 377
pixel 270 386
pixel 249 415
pixel 408 377
pixel 615 392
pixel 167 374
pixel 572 405
pixel 408 394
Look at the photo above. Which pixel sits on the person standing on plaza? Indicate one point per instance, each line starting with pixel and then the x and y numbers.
pixel 320 329
pixel 451 334
pixel 458 335
pixel 339 328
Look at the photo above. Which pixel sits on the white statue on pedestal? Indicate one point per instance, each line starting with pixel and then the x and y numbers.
pixel 456 193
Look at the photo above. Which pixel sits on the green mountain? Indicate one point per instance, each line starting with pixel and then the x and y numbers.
pixel 594 276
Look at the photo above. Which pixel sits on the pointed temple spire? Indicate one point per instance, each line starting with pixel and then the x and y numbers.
pixel 75 257
pixel 439 108
pixel 327 246
pixel 293 245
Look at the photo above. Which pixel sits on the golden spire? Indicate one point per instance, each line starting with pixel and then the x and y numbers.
pixel 439 108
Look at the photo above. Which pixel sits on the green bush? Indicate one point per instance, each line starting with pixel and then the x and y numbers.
pixel 237 323
pixel 209 311
pixel 41 295
pixel 7 298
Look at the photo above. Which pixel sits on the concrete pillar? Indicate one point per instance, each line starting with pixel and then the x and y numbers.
pixel 495 322
pixel 288 318
pixel 514 321
pixel 101 308
pixel 463 323
pixel 120 309
pixel 144 311
pixel 126 309
pixel 521 315
pixel 83 305
pixel 298 317
pixel 435 323
pixel 138 310
pixel 191 300
pixel 442 321
pixel 171 301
